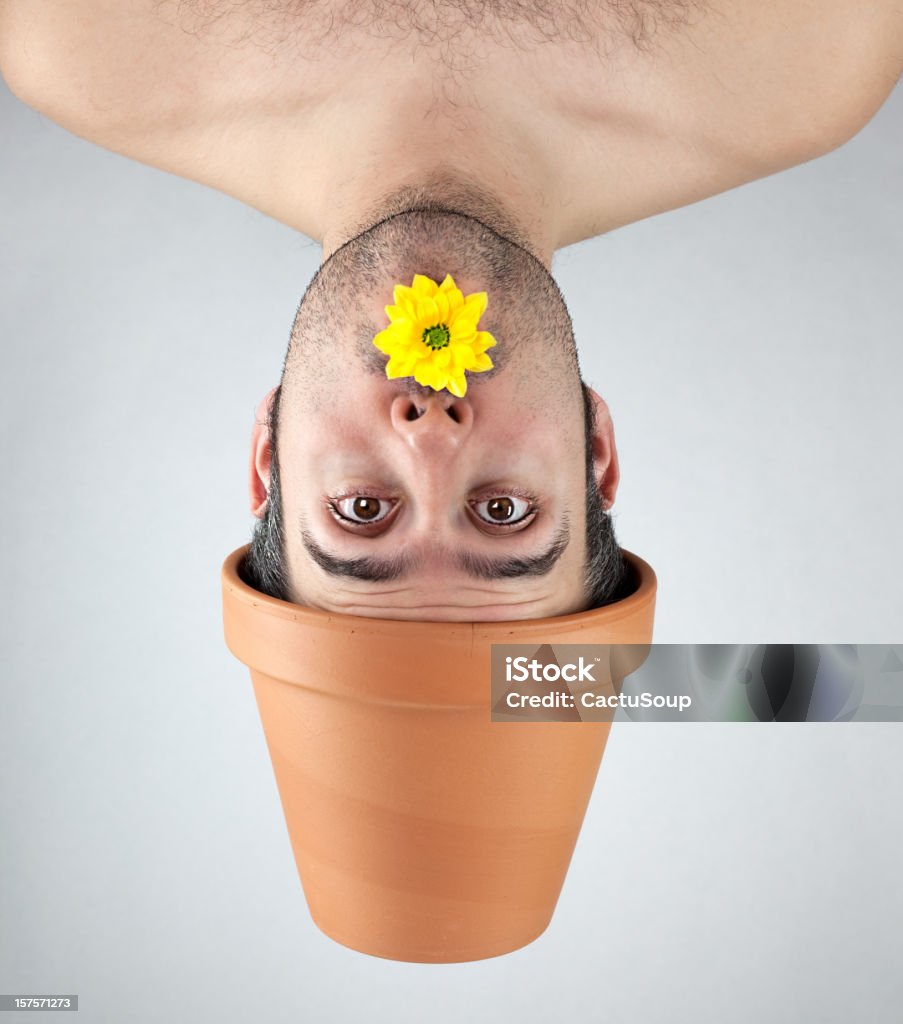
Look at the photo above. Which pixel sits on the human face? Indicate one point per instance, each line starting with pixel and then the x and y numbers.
pixel 402 502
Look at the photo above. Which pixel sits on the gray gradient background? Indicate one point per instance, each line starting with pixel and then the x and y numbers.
pixel 750 350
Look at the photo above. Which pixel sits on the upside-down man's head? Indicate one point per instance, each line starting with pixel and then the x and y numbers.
pixel 384 498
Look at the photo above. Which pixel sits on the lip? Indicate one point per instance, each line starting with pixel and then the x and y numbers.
pixel 408 386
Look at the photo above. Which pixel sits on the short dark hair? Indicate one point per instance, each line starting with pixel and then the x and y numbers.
pixel 605 569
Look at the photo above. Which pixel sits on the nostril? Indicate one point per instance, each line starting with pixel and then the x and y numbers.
pixel 453 413
pixel 413 412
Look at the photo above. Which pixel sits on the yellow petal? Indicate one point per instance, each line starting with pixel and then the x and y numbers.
pixel 442 307
pixel 393 337
pixel 384 341
pixel 457 386
pixel 442 358
pixel 397 368
pixel 427 374
pixel 460 357
pixel 396 313
pixel 481 363
pixel 484 340
pixel 448 284
pixel 455 301
pixel 463 331
pixel 402 329
pixel 475 305
pixel 406 300
pixel 424 287
pixel 427 313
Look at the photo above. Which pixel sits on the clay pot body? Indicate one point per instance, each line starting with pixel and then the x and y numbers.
pixel 422 831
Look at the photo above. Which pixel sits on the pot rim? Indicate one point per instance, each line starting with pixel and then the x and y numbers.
pixel 642 595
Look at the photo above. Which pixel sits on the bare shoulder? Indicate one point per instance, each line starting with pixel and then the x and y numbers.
pixel 110 69
pixel 807 75
pixel 737 92
pixel 81 64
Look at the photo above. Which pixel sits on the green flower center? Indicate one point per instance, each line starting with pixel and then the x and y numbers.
pixel 436 337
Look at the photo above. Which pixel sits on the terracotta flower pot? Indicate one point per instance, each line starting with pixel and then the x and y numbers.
pixel 422 830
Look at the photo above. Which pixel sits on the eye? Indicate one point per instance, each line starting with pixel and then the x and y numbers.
pixel 362 508
pixel 504 510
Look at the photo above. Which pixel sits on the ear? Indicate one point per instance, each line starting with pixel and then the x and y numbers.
pixel 261 457
pixel 605 454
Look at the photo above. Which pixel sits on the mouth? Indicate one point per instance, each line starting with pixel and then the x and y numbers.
pixel 408 386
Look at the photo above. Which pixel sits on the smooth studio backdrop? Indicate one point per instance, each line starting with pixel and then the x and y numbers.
pixel 749 348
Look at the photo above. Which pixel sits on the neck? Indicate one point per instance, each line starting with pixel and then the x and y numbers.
pixel 520 216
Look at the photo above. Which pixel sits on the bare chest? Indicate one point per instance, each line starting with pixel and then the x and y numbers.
pixel 712 66
pixel 641 105
pixel 661 101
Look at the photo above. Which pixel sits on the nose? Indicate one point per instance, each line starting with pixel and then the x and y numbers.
pixel 432 421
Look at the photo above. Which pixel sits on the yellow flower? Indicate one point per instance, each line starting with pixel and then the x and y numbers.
pixel 432 335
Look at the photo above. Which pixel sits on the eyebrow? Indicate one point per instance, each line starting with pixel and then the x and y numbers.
pixel 379 570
